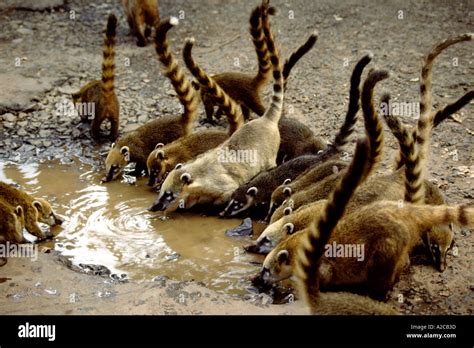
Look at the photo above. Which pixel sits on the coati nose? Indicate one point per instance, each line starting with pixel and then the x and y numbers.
pixel 58 220
pixel 48 235
pixel 159 205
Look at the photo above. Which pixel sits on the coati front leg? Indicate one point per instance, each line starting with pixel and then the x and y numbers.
pixel 95 128
pixel 114 129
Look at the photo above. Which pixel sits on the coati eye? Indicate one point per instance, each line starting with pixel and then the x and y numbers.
pixel 265 240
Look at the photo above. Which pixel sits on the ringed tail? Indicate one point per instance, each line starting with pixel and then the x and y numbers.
pixel 228 105
pixel 174 73
pixel 108 62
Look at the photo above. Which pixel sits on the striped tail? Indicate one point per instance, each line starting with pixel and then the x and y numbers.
pixel 312 248
pixel 373 125
pixel 273 113
pixel 342 137
pixel 297 55
pixel 227 104
pixel 257 18
pixel 425 121
pixel 184 90
pixel 108 62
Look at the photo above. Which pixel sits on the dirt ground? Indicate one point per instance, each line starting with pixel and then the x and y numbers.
pixel 61 54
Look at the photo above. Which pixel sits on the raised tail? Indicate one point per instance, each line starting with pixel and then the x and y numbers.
pixel 373 125
pixel 312 248
pixel 425 122
pixel 342 137
pixel 452 108
pixel 257 18
pixel 273 113
pixel 184 90
pixel 297 55
pixel 108 62
pixel 227 104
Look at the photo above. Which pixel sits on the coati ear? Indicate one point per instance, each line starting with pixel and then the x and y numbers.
pixel 159 145
pixel 179 165
pixel 283 257
pixel 19 211
pixel 186 178
pixel 252 191
pixel 112 146
pixel 287 191
pixel 196 85
pixel 160 155
pixel 125 151
pixel 287 211
pixel 38 206
pixel 287 181
pixel 290 228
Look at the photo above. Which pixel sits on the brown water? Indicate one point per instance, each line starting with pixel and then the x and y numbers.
pixel 107 224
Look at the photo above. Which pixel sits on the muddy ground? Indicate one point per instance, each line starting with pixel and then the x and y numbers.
pixel 44 56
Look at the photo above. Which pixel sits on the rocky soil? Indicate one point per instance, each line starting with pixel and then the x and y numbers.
pixel 46 54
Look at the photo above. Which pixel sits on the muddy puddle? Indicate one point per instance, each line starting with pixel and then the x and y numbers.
pixel 108 224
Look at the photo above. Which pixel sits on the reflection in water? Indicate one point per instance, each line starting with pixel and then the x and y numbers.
pixel 109 225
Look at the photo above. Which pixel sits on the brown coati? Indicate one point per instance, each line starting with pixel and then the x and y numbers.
pixel 257 192
pixel 307 253
pixel 245 89
pixel 11 223
pixel 212 177
pixel 135 146
pixel 340 141
pixel 165 157
pixel 35 210
pixel 142 16
pixel 100 93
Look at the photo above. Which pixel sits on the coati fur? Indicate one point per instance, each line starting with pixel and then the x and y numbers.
pixel 135 146
pixel 257 192
pixel 11 223
pixel 165 157
pixel 245 89
pixel 340 141
pixel 101 93
pixel 142 16
pixel 211 179
pixel 35 210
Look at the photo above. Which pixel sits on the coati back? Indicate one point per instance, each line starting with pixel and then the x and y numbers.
pixel 142 16
pixel 257 192
pixel 34 209
pixel 101 93
pixel 341 139
pixel 245 89
pixel 11 223
pixel 213 176
pixel 135 146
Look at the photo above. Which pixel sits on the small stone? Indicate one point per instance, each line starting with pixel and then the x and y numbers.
pixel 9 117
pixel 444 293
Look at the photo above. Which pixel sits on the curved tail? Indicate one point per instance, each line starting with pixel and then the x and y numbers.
pixel 373 125
pixel 452 108
pixel 297 55
pixel 313 246
pixel 257 21
pixel 174 73
pixel 108 61
pixel 273 113
pixel 342 137
pixel 228 105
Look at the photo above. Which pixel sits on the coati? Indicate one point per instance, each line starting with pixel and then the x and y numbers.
pixel 257 192
pixel 341 139
pixel 12 223
pixel 100 93
pixel 165 157
pixel 244 89
pixel 388 230
pixel 142 16
pixel 138 144
pixel 35 210
pixel 213 176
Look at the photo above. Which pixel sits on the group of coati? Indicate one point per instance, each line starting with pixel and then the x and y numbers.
pixel 297 184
